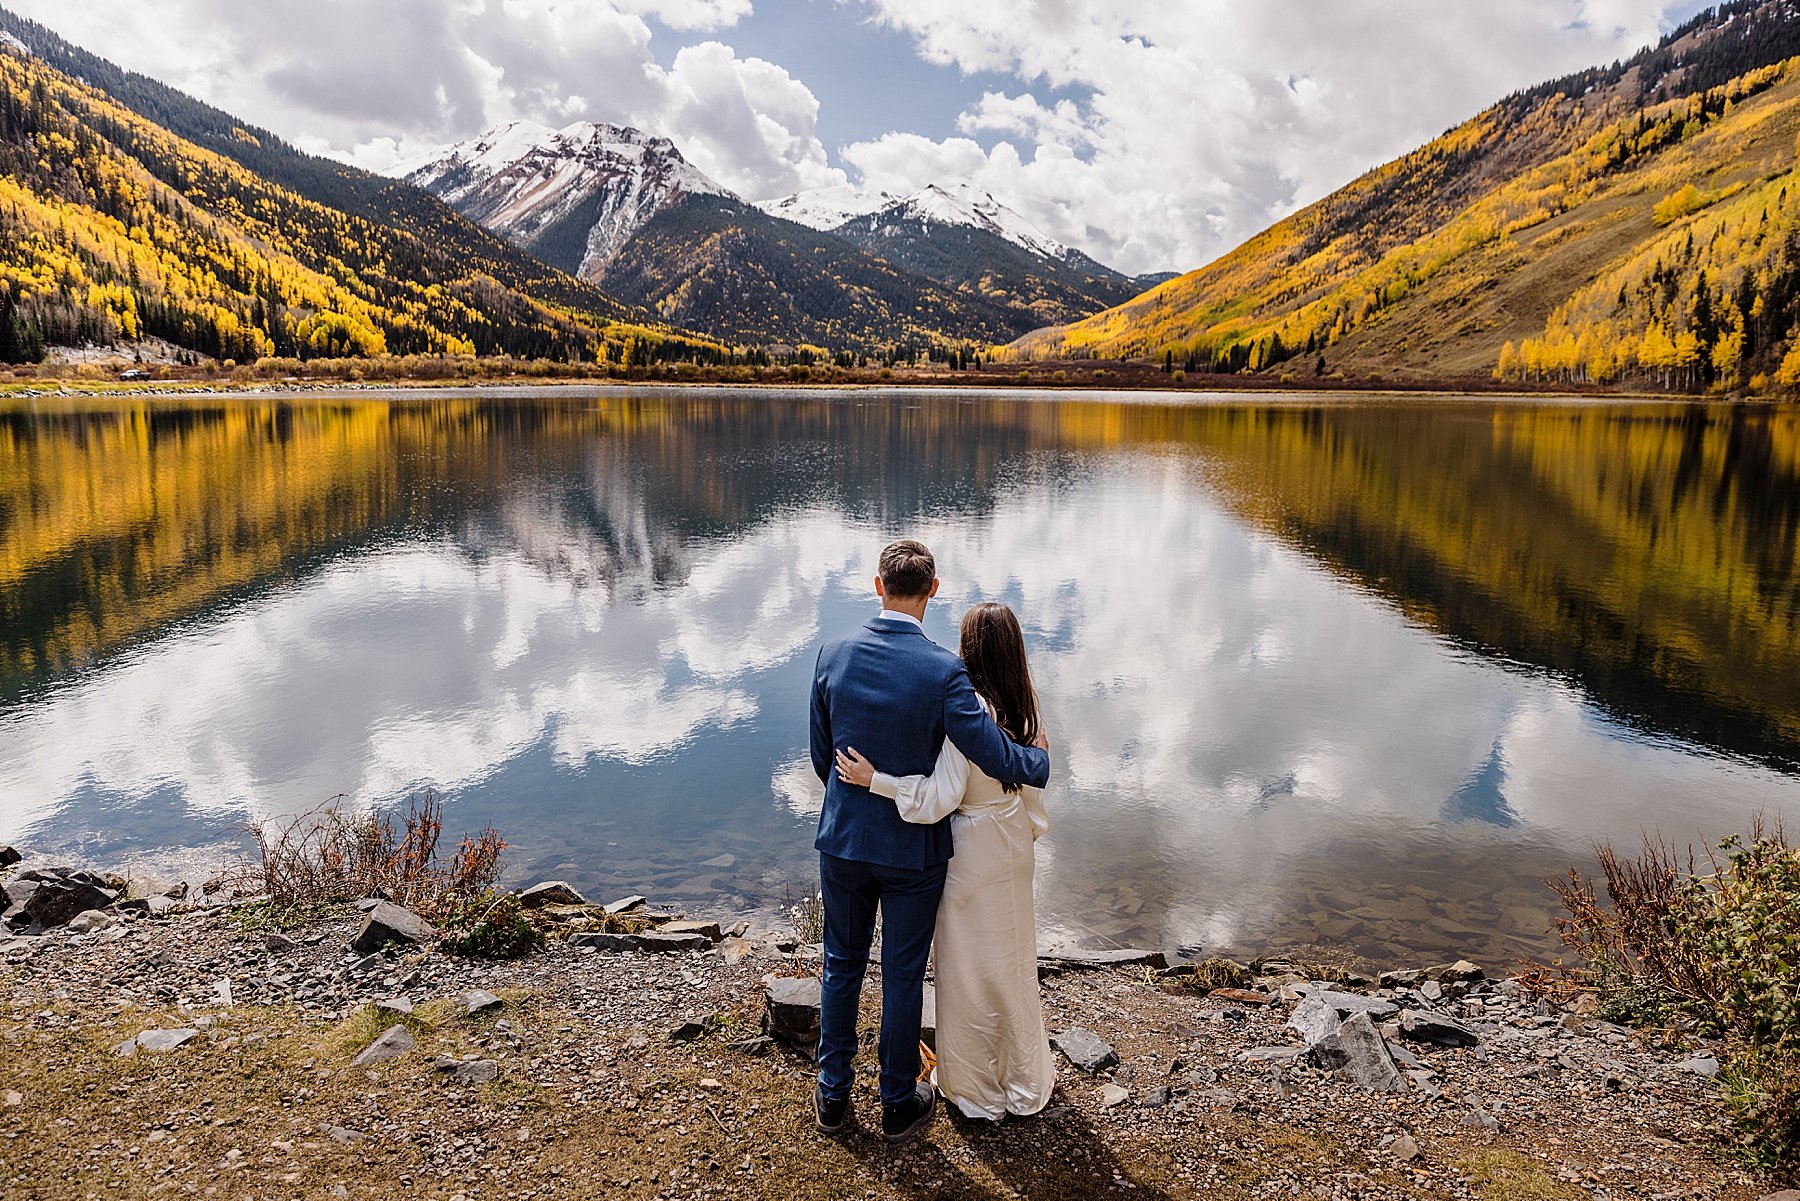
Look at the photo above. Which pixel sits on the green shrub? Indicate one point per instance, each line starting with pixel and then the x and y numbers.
pixel 492 925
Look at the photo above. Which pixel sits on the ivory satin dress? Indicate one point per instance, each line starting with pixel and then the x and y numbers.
pixel 993 1057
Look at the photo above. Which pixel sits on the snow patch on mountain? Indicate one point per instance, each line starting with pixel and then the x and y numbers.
pixel 958 204
pixel 12 43
pixel 521 179
pixel 827 208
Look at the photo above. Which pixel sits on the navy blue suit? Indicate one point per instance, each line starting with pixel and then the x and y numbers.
pixel 894 695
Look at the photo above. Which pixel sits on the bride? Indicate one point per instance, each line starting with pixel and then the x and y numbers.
pixel 993 1058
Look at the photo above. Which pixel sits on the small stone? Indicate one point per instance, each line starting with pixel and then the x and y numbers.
pixel 391 1045
pixel 478 999
pixel 10 856
pixel 395 1004
pixel 1157 1097
pixel 92 919
pixel 1113 1095
pixel 1460 972
pixel 687 1032
pixel 1430 1026
pixel 1481 1119
pixel 551 892
pixel 710 1085
pixel 1271 1054
pixel 13 1098
pixel 1708 1067
pixel 387 923
pixel 277 942
pixel 165 1040
pixel 1432 991
pixel 1406 1149
pixel 658 943
pixel 476 1071
pixel 753 1047
pixel 707 930
pixel 368 963
pixel 1085 1049
pixel 791 1012
pixel 1405 979
pixel 341 1134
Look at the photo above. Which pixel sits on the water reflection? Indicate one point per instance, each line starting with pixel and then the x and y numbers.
pixel 1359 674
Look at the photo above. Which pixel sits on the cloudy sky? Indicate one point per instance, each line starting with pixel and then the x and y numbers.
pixel 1153 134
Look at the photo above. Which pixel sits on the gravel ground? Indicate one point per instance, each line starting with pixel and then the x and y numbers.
pixel 587 1079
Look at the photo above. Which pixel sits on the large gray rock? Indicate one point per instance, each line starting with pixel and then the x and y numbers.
pixel 155 1040
pixel 791 1013
pixel 396 1042
pixel 1085 1049
pixel 1430 1026
pixel 49 897
pixel 707 930
pixel 476 1000
pixel 388 923
pixel 551 892
pixel 599 940
pixel 1322 1010
pixel 1356 1050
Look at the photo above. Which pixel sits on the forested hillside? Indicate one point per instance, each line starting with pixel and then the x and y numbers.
pixel 1634 222
pixel 719 265
pixel 112 227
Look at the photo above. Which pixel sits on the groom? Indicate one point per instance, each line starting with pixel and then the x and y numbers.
pixel 895 695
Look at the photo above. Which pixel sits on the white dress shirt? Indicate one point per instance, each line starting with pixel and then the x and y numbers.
pixel 893 616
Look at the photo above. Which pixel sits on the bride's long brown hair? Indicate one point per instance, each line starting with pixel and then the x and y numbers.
pixel 993 649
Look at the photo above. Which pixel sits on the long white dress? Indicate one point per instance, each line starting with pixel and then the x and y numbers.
pixel 993 1057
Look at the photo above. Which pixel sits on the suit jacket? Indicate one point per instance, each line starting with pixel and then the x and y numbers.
pixel 895 695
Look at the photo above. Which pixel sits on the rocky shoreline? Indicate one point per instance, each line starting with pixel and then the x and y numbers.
pixel 162 1044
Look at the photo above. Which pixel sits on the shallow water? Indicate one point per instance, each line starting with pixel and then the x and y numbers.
pixel 1357 673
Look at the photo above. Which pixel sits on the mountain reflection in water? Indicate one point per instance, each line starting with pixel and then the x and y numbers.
pixel 1357 673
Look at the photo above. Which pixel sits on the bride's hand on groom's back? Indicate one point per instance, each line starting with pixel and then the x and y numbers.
pixel 852 768
pixel 1042 741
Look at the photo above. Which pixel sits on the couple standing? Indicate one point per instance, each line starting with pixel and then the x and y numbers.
pixel 964 742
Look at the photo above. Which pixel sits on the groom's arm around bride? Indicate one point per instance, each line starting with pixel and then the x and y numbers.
pixel 895 695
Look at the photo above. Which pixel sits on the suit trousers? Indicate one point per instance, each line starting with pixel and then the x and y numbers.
pixel 907 898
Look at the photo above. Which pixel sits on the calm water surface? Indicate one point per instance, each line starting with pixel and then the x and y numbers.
pixel 1356 673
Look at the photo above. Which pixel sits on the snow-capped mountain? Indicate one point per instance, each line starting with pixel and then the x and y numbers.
pixel 825 209
pixel 571 196
pixel 12 43
pixel 957 204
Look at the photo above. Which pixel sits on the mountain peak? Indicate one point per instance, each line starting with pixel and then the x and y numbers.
pixel 586 187
pixel 952 204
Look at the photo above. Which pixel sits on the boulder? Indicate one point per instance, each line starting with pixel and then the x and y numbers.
pixel 9 856
pixel 551 892
pixel 1430 1026
pixel 601 941
pixel 1356 1050
pixel 395 1042
pixel 139 887
pixel 707 930
pixel 53 896
pixel 387 923
pixel 1460 972
pixel 1406 1149
pixel 688 1032
pixel 791 1013
pixel 1112 1095
pixel 1085 1049
pixel 89 920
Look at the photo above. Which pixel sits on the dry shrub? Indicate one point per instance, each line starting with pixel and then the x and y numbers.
pixel 334 854
pixel 1721 946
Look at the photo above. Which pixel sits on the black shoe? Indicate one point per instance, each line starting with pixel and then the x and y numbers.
pixel 900 1122
pixel 830 1112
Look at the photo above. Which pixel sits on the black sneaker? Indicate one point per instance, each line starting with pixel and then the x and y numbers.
pixel 830 1112
pixel 900 1122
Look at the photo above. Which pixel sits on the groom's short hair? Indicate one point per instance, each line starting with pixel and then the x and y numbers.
pixel 907 569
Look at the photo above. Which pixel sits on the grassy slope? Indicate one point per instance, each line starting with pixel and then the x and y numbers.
pixel 1431 263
